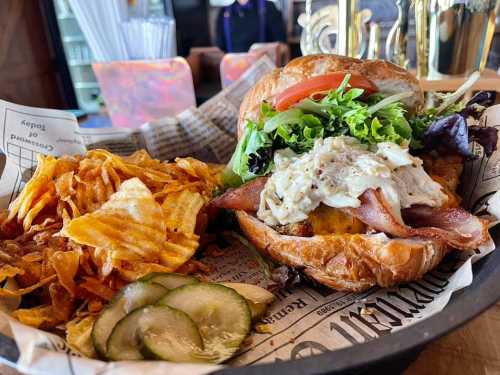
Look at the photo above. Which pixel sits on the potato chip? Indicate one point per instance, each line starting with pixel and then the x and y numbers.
pixel 20 292
pixel 67 163
pixel 120 255
pixel 78 335
pixel 177 187
pixel 194 167
pixel 62 302
pixel 75 211
pixel 85 226
pixel 66 263
pixel 40 204
pixel 110 171
pixel 32 273
pixel 193 266
pixel 46 266
pixel 64 185
pixel 131 220
pixel 34 189
pixel 95 305
pixel 86 263
pixel 37 317
pixel 200 170
pixel 7 271
pixel 97 288
pixel 179 248
pixel 142 158
pixel 35 256
pixel 104 261
pixel 181 210
pixel 133 271
pixel 9 228
pixel 9 304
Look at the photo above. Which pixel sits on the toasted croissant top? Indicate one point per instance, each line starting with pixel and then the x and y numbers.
pixel 389 79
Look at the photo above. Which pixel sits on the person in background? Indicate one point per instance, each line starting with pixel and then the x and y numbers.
pixel 246 22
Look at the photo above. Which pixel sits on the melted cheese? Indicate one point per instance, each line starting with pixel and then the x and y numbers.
pixel 329 220
pixel 336 172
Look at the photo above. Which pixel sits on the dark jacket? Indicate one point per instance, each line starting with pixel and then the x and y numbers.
pixel 239 26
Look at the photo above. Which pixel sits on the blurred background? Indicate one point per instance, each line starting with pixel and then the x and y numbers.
pixel 47 47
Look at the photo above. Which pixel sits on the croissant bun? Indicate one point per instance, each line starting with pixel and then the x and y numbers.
pixel 347 262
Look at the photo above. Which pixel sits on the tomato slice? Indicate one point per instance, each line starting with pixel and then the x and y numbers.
pixel 326 82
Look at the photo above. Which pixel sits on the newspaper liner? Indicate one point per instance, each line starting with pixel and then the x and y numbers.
pixel 303 320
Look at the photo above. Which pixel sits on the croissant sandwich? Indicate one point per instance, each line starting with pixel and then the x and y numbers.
pixel 341 172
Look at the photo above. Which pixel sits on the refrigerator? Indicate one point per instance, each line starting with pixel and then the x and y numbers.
pixel 78 56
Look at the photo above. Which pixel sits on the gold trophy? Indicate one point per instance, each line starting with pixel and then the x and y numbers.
pixel 453 36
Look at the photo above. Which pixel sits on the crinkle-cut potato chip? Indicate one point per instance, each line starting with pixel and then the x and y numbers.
pixel 77 185
pixel 37 317
pixel 66 263
pixel 179 248
pixel 85 226
pixel 131 220
pixel 78 335
pixel 181 210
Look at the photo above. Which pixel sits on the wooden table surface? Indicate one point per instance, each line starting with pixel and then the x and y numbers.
pixel 489 81
pixel 473 349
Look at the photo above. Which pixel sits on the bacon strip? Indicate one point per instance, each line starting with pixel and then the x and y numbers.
pixel 244 198
pixel 376 213
pixel 457 227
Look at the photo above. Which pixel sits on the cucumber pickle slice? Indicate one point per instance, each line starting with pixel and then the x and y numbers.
pixel 133 296
pixel 170 280
pixel 257 298
pixel 156 332
pixel 221 314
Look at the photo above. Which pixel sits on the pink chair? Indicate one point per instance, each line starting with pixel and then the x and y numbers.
pixel 278 52
pixel 233 65
pixel 136 92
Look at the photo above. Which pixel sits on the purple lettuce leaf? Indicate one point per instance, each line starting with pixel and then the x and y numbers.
pixel 486 137
pixel 478 103
pixel 453 133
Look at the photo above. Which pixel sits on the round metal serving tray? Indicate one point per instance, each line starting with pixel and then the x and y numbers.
pixel 390 353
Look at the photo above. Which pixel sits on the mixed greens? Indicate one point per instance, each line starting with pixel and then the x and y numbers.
pixel 449 129
pixel 369 118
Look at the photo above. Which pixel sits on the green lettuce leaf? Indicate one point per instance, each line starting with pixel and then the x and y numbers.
pixel 254 145
pixel 342 111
